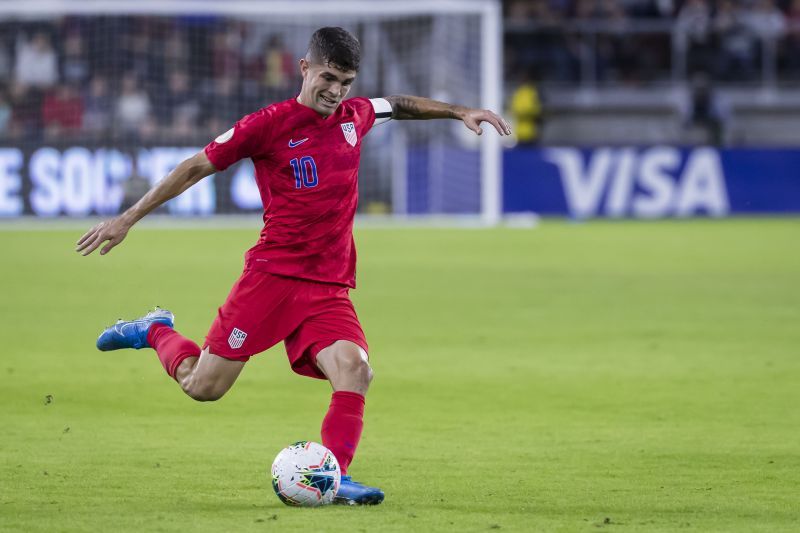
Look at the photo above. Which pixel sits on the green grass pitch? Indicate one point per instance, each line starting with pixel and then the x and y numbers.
pixel 574 377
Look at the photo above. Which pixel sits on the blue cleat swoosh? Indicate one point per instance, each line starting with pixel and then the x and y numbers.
pixel 133 333
pixel 353 493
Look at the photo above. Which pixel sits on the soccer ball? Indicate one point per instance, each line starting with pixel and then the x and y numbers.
pixel 306 474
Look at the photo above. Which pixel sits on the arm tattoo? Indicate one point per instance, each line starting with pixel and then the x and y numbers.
pixel 417 107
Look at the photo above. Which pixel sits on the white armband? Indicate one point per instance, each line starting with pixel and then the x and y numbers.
pixel 383 110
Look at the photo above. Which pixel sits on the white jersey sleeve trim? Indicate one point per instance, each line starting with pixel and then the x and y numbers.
pixel 383 110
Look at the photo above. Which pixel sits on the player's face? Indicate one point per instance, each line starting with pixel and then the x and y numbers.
pixel 324 86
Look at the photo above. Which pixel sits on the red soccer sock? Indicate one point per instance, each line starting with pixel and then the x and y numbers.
pixel 171 346
pixel 341 428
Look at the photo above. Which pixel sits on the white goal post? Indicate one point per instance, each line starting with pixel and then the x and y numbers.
pixel 444 49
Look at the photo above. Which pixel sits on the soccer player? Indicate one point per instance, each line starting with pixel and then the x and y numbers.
pixel 296 280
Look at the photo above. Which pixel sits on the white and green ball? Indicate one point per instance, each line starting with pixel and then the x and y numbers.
pixel 306 474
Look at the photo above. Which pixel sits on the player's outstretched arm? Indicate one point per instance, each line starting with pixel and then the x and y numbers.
pixel 419 108
pixel 186 174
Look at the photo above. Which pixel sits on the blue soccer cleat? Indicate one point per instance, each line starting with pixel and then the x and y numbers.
pixel 133 333
pixel 353 493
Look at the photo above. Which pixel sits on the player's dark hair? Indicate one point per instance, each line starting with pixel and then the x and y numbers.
pixel 336 47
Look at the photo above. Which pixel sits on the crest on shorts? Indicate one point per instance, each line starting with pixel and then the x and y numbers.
pixel 237 338
pixel 349 130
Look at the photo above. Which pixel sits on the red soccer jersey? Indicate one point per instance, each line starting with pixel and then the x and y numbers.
pixel 306 168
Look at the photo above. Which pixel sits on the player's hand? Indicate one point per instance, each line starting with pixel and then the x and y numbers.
pixel 473 118
pixel 113 231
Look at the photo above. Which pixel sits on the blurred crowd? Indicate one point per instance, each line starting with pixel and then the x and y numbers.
pixel 631 43
pixel 153 78
pixel 137 78
pixel 636 41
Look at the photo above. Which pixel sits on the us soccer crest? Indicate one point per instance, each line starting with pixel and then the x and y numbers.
pixel 237 338
pixel 350 135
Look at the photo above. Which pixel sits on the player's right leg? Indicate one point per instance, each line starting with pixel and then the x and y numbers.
pixel 208 377
pixel 252 319
pixel 202 375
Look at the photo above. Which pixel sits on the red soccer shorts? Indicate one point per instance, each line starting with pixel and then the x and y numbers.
pixel 263 309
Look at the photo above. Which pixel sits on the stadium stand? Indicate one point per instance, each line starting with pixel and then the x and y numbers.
pixel 691 72
pixel 660 70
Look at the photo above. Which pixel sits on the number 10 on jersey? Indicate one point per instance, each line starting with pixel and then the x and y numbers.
pixel 305 172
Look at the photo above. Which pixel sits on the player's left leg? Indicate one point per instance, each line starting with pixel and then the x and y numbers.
pixel 330 344
pixel 346 366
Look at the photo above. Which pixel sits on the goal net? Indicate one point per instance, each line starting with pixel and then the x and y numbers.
pixel 100 99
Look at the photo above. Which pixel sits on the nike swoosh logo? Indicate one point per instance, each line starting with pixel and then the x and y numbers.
pixel 293 144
